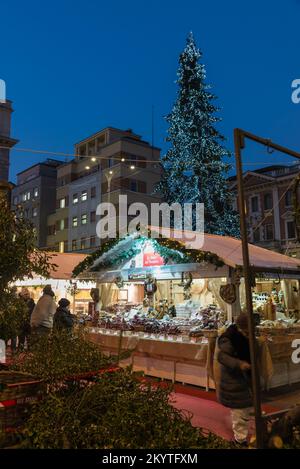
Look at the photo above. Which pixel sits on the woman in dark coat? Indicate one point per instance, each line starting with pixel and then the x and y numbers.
pixel 235 381
pixel 63 319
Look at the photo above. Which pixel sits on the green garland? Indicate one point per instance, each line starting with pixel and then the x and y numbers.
pixel 165 247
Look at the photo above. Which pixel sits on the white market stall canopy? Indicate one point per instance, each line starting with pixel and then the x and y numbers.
pixel 220 255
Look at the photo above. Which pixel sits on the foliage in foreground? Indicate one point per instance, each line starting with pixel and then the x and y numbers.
pixel 60 355
pixel 19 258
pixel 117 411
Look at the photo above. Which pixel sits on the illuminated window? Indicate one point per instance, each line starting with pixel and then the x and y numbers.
pixel 84 219
pixel 75 199
pixel 83 196
pixel 75 221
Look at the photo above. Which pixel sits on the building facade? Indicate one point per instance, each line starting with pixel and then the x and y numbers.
pixel 270 207
pixel 6 142
pixel 108 164
pixel 35 195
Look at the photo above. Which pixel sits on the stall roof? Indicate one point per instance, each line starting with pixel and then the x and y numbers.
pixel 230 251
pixel 65 262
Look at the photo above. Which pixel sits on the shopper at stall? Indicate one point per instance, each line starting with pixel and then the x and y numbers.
pixel 30 304
pixel 63 319
pixel 41 321
pixel 235 376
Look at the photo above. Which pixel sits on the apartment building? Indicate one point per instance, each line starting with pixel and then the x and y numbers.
pixel 269 206
pixel 6 142
pixel 110 163
pixel 35 195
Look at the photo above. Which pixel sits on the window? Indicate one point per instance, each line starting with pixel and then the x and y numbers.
pixel 75 199
pixel 34 212
pixel 62 203
pixel 74 244
pixel 268 201
pixel 93 217
pixel 84 219
pixel 75 222
pixel 83 196
pixel 61 247
pixel 66 246
pixel 24 197
pixel 288 198
pixel 256 235
pixel 16 200
pixel 93 192
pixel 28 195
pixel 36 192
pixel 291 230
pixel 133 186
pixel 269 232
pixel 62 224
pixel 92 241
pixel 82 243
pixel 254 204
pixel 51 230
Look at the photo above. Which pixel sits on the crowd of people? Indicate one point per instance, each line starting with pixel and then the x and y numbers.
pixel 42 317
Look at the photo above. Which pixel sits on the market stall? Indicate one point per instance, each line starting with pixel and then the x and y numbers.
pixel 170 302
pixel 62 283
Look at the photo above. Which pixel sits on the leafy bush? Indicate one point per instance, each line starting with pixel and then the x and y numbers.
pixel 60 355
pixel 117 411
pixel 13 312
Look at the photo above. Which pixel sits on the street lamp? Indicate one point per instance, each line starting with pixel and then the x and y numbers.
pixel 109 177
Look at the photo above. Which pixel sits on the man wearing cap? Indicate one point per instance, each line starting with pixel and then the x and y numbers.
pixel 235 382
pixel 42 316
pixel 63 319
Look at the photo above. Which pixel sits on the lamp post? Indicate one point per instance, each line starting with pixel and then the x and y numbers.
pixel 109 177
pixel 239 144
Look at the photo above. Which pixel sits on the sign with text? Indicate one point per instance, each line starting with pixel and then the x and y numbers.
pixel 152 259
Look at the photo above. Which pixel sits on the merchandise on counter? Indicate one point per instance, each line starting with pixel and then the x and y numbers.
pixel 270 310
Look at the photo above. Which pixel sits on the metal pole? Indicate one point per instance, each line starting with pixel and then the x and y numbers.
pixel 247 275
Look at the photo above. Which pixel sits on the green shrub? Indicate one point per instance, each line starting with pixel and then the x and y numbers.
pixel 117 411
pixel 60 355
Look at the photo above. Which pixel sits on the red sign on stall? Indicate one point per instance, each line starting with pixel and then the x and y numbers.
pixel 151 259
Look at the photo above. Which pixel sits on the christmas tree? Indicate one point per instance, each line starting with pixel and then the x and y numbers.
pixel 194 166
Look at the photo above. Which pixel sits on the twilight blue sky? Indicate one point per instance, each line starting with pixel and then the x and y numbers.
pixel 73 67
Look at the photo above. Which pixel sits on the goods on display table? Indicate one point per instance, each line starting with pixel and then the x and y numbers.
pixel 139 318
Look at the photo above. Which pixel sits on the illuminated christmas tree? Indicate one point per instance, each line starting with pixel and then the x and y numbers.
pixel 195 170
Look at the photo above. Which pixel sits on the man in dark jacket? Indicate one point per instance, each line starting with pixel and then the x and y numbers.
pixel 235 382
pixel 63 319
pixel 25 295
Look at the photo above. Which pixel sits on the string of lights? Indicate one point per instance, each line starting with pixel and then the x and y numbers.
pixel 94 158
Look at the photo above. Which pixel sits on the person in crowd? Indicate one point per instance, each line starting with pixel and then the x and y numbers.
pixel 41 321
pixel 25 295
pixel 63 319
pixel 235 377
